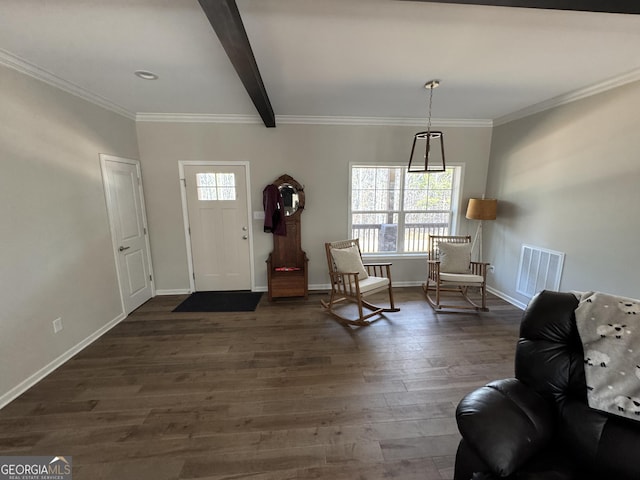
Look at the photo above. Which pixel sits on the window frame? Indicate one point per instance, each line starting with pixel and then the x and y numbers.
pixel 456 195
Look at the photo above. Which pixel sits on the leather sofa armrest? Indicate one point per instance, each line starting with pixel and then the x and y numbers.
pixel 505 423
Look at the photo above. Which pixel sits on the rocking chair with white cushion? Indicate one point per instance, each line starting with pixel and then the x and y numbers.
pixel 351 281
pixel 451 270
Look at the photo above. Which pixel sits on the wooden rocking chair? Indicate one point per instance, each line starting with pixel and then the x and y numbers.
pixel 451 270
pixel 351 281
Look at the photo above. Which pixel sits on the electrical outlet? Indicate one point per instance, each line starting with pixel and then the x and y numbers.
pixel 57 325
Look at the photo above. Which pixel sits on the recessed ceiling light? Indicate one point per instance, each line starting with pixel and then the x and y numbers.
pixel 145 75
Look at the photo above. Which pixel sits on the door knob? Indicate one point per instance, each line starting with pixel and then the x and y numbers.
pixel 122 249
pixel 244 229
pixel 244 237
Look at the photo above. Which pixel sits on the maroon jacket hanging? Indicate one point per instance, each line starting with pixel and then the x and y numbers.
pixel 273 211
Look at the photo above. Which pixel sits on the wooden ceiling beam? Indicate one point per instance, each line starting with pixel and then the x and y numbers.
pixel 226 22
pixel 608 6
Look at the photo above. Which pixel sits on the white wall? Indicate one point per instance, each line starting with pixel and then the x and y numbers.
pixel 56 258
pixel 317 156
pixel 568 179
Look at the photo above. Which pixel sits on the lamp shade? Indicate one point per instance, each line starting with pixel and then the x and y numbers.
pixel 482 209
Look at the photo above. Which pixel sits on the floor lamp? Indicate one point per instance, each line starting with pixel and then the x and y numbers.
pixel 481 209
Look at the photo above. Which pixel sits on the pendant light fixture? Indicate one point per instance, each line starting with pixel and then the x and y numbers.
pixel 427 151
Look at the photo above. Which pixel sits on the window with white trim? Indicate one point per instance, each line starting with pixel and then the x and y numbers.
pixel 393 211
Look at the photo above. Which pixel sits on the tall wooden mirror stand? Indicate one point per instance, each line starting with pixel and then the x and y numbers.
pixel 287 272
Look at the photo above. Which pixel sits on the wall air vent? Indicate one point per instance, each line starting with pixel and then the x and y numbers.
pixel 540 269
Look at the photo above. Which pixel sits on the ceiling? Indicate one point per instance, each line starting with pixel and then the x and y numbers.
pixel 321 58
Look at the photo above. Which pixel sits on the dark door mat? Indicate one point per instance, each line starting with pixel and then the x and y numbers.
pixel 231 301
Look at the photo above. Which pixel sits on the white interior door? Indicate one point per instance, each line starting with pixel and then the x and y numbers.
pixel 125 204
pixel 218 225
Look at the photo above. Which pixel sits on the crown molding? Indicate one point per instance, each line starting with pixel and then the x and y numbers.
pixel 310 120
pixel 386 121
pixel 12 61
pixel 197 118
pixel 570 97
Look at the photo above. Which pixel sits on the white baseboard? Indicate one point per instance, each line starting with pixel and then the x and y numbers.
pixel 412 283
pixel 26 384
pixel 311 288
pixel 327 287
pixel 177 291
pixel 507 298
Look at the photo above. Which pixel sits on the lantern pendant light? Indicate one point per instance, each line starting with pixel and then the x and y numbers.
pixel 427 151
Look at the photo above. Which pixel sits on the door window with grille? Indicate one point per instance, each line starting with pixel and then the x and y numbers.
pixel 216 186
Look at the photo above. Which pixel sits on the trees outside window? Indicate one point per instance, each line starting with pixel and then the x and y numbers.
pixel 393 211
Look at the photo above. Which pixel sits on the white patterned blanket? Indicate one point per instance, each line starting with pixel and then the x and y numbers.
pixel 609 327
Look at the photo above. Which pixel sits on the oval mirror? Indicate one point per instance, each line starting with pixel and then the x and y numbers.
pixel 290 198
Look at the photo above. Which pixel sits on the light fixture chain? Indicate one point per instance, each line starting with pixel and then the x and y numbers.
pixel 430 101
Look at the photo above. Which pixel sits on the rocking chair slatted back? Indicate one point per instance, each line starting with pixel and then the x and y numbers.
pixel 439 282
pixel 353 287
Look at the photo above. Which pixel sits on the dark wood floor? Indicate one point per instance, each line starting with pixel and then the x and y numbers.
pixel 284 392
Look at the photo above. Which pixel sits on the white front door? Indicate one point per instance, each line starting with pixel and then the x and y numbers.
pixel 125 205
pixel 218 225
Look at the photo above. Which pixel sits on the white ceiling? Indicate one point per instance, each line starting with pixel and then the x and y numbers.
pixel 321 58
